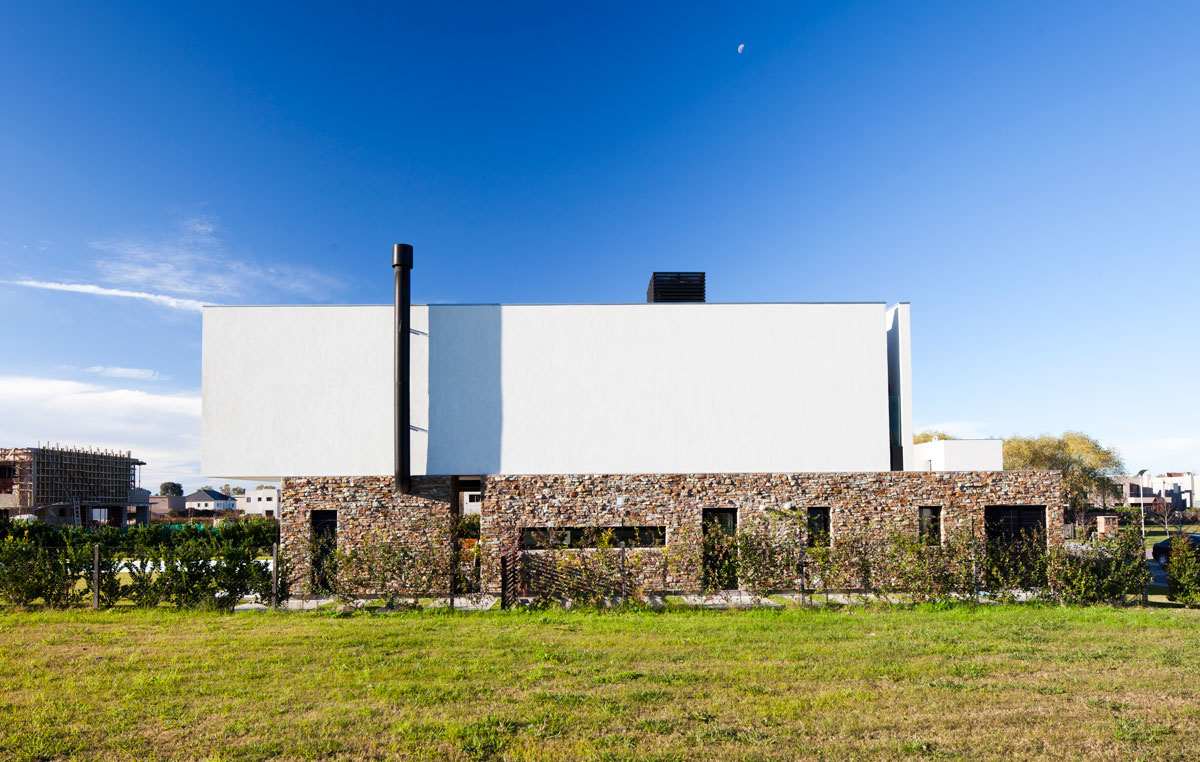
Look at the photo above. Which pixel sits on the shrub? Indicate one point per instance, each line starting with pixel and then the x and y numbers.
pixel 1012 567
pixel 377 567
pixel 720 558
pixel 186 578
pixel 939 573
pixel 144 588
pixel 1183 572
pixel 29 572
pixel 770 554
pixel 1104 571
pixel 191 566
pixel 110 588
pixel 468 527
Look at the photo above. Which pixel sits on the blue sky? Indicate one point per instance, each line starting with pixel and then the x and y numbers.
pixel 1026 174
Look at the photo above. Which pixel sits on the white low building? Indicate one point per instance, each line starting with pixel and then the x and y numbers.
pixel 209 500
pixel 1176 489
pixel 263 501
pixel 959 455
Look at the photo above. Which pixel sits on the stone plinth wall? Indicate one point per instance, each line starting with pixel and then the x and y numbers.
pixel 880 502
pixel 367 509
pixel 877 501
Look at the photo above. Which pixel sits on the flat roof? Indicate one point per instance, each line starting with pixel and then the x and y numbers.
pixel 549 304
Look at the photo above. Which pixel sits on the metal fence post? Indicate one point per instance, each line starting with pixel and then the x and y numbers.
pixel 803 592
pixel 275 575
pixel 974 565
pixel 624 578
pixel 96 576
pixel 504 582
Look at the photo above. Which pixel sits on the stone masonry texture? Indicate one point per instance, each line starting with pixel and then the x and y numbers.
pixel 872 501
pixel 368 510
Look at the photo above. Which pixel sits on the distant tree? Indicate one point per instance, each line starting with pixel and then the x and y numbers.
pixel 170 489
pixel 931 434
pixel 228 490
pixel 1088 468
pixel 1163 511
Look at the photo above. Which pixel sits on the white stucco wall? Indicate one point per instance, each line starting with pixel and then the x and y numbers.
pixel 959 455
pixel 653 388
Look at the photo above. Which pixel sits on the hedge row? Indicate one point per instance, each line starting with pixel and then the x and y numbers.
pixel 255 533
pixel 192 567
pixel 774 555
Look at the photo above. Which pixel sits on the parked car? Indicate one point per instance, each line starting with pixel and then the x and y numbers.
pixel 1162 550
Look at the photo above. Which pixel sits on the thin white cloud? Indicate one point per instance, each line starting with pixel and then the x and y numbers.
pixel 163 300
pixel 194 263
pixel 140 374
pixel 161 429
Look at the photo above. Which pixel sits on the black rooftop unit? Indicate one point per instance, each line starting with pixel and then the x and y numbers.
pixel 676 287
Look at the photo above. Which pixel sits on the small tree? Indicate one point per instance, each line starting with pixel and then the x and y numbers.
pixel 1162 512
pixel 1088 468
pixel 170 489
pixel 931 434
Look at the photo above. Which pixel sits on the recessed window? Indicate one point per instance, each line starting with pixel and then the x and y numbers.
pixel 930 530
pixel 8 479
pixel 543 538
pixel 818 527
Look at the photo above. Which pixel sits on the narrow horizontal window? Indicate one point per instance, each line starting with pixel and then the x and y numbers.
pixel 542 538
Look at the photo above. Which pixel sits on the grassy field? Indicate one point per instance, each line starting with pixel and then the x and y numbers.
pixel 995 682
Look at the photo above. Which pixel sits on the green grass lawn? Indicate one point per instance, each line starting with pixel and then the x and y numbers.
pixel 993 682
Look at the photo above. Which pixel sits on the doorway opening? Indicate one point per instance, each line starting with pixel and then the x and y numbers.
pixel 720 570
pixel 324 545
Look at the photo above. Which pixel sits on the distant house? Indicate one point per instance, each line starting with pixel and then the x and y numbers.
pixel 209 500
pixel 263 501
pixel 1177 489
pixel 162 505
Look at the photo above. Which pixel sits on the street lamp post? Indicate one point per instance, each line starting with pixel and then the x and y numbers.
pixel 1142 500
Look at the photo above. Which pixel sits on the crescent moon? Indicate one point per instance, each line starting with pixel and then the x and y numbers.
pixel 741 48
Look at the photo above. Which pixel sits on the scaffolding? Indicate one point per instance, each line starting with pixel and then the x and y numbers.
pixel 81 478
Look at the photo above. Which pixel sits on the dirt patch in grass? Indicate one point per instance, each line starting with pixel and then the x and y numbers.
pixel 995 682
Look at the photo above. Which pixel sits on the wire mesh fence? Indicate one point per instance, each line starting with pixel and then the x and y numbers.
pixel 188 575
pixel 584 570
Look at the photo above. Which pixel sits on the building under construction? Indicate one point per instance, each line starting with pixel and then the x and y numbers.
pixel 69 486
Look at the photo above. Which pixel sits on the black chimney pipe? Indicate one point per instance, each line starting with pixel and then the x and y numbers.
pixel 402 262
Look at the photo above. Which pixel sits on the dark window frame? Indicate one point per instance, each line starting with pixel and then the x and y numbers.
pixel 929 524
pixel 818 525
pixel 579 538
